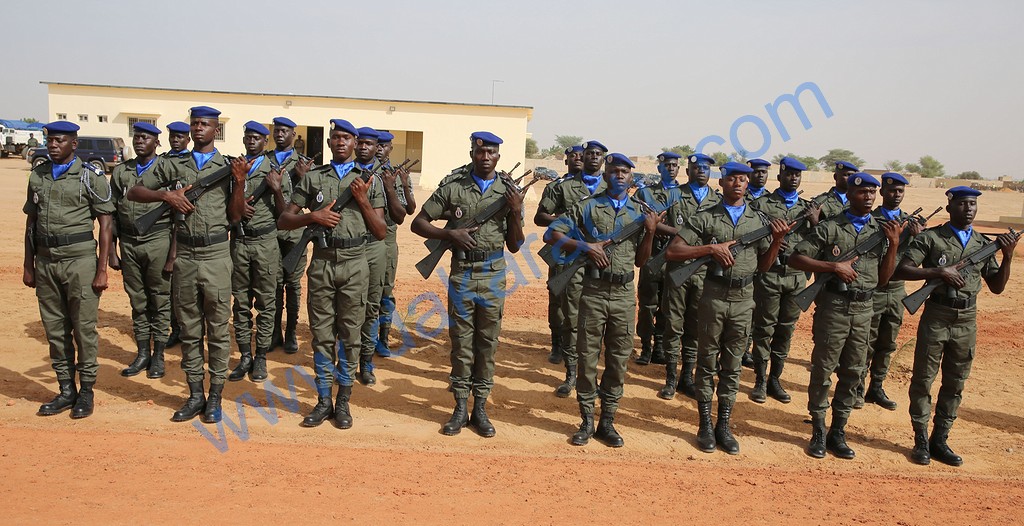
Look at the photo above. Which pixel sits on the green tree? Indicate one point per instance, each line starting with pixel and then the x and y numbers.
pixel 566 141
pixel 828 161
pixel 912 168
pixel 685 150
pixel 811 162
pixel 893 166
pixel 931 167
pixel 969 175
pixel 741 156
pixel 29 120
pixel 720 158
pixel 532 150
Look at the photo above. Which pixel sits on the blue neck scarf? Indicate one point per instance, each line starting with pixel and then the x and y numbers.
pixel 483 184
pixel 963 235
pixel 366 167
pixel 591 181
pixel 618 203
pixel 842 197
pixel 699 192
pixel 858 221
pixel 178 152
pixel 342 169
pixel 57 170
pixel 202 158
pixel 735 212
pixel 141 168
pixel 756 191
pixel 792 197
pixel 891 215
pixel 257 160
pixel 281 157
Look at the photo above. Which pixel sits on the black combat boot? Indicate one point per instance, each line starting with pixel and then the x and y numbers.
pixel 937 446
pixel 705 431
pixel 606 433
pixel 156 363
pixel 645 352
pixel 342 414
pixel 244 365
pixel 759 393
pixel 383 347
pixel 366 376
pixel 141 361
pixel 921 454
pixel 213 414
pixel 478 419
pixel 63 401
pixel 175 337
pixel 858 393
pixel 671 379
pixel 565 389
pixel 723 435
pixel 556 349
pixel 83 405
pixel 291 345
pixel 194 405
pixel 686 380
pixel 775 389
pixel 747 360
pixel 323 409
pixel 276 339
pixel 835 441
pixel 581 437
pixel 658 354
pixel 259 366
pixel 816 448
pixel 876 395
pixel 458 420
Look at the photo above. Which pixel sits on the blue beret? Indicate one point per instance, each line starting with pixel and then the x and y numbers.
pixel 344 125
pixel 283 121
pixel 664 156
pixel 618 158
pixel 861 179
pixel 368 133
pixel 178 127
pixel 758 162
pixel 203 111
pixel 843 165
pixel 595 144
pixel 256 127
pixel 481 138
pixel 733 168
pixel 701 158
pixel 571 149
pixel 792 164
pixel 59 127
pixel 894 178
pixel 146 127
pixel 385 136
pixel 960 192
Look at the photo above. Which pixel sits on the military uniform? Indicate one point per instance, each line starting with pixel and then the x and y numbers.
pixel 289 284
pixel 142 264
pixel 651 318
pixel 377 266
pixel 832 203
pixel 387 298
pixel 65 262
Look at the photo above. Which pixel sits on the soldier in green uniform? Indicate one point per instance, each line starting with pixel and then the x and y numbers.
pixel 888 306
pixel 650 325
pixel 607 302
pixel 557 323
pixel 201 284
pixel 142 256
pixel 402 203
pixel 376 254
pixel 178 139
pixel 727 302
pixel 559 197
pixel 476 287
pixel 65 196
pixel 680 303
pixel 338 273
pixel 254 255
pixel 947 333
pixel 842 316
pixel 290 160
pixel 755 190
pixel 835 199
pixel 775 311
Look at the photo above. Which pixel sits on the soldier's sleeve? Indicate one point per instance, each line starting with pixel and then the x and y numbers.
pixel 548 202
pixel 813 244
pixel 302 192
pixel 919 248
pixel 30 205
pixel 568 223
pixel 164 172
pixel 691 229
pixel 376 193
pixel 437 203
pixel 989 267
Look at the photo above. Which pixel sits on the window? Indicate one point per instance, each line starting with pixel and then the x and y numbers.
pixel 101 118
pixel 62 116
pixel 220 131
pixel 133 120
pixel 83 117
pixel 86 144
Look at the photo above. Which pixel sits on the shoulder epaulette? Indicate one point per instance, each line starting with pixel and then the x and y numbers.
pixel 95 169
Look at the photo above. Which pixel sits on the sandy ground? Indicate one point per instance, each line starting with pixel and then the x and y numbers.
pixel 129 464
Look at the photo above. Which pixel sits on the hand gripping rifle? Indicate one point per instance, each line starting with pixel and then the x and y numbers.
pixel 679 275
pixel 146 221
pixel 914 301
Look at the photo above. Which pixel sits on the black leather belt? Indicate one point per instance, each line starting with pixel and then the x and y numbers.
pixel 780 269
pixel 953 303
pixel 60 240
pixel 345 242
pixel 783 259
pixel 246 231
pixel 615 278
pixel 732 283
pixel 370 238
pixel 850 294
pixel 474 256
pixel 129 230
pixel 202 241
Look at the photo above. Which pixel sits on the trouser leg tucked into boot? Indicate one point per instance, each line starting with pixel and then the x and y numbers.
pixel 64 400
pixel 156 363
pixel 194 405
pixel 705 430
pixel 586 430
pixel 479 419
pixel 921 453
pixel 459 419
pixel 244 366
pixel 556 347
pixel 835 441
pixel 606 432
pixel 876 395
pixel 936 444
pixel 686 379
pixel 213 414
pixel 141 361
pixel 759 392
pixel 342 414
pixel 323 409
pixel 84 403
pixel 671 379
pixel 816 448
pixel 775 389
pixel 645 352
pixel 566 387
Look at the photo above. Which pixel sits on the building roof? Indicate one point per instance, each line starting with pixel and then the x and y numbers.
pixel 222 92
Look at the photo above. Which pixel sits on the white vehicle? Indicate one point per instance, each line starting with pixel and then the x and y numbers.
pixel 13 141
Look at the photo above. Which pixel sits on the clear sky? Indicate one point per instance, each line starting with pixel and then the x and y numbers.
pixel 902 78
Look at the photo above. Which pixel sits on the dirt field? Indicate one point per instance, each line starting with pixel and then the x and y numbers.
pixel 129 464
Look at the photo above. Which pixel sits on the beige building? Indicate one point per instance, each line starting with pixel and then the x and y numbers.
pixel 437 133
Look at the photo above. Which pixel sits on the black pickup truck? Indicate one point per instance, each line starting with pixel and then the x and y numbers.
pixel 104 152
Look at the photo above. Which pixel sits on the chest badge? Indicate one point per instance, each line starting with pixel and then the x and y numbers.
pixel 319 197
pixel 125 193
pixel 596 232
pixel 679 219
pixel 714 240
pixel 35 197
pixel 836 251
pixel 458 212
pixel 942 260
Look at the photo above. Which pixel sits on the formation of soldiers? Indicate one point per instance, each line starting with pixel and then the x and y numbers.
pixel 202 239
